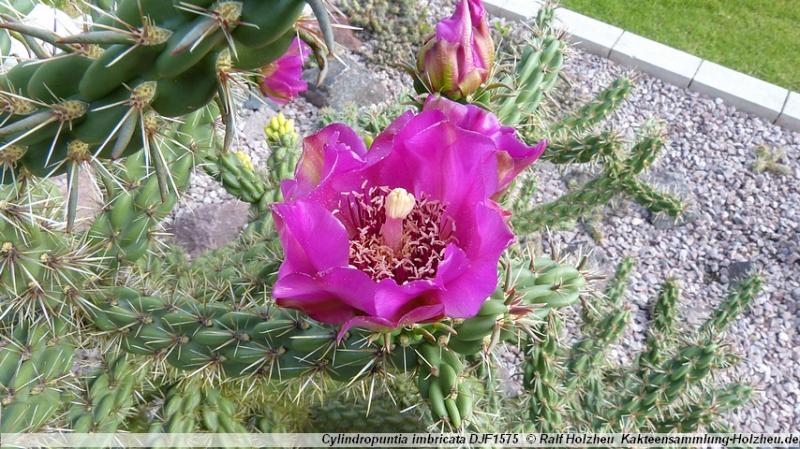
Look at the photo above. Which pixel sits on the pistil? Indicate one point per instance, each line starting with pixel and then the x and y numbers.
pixel 399 203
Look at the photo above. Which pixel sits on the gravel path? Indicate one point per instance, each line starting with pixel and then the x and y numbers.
pixel 738 220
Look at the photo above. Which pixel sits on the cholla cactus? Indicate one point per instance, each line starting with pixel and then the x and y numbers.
pixel 576 388
pixel 378 264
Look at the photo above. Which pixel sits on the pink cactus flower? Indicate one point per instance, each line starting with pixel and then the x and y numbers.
pixel 282 80
pixel 458 57
pixel 404 233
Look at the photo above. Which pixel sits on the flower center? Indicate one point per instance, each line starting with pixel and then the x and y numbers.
pixel 394 235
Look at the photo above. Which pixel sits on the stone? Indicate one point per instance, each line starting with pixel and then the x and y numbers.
pixel 346 38
pixel 739 270
pixel 348 81
pixel 210 226
pixel 253 103
pixel 513 9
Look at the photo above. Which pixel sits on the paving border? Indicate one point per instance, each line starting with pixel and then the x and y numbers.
pixel 746 93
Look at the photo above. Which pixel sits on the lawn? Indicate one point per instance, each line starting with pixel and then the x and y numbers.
pixel 757 37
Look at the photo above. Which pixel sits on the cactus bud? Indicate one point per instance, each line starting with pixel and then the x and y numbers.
pixel 282 80
pixel 457 58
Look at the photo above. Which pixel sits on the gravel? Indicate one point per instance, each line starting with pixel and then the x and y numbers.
pixel 738 220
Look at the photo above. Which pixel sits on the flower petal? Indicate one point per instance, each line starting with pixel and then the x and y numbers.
pixel 313 239
pixel 469 270
pixel 432 156
pixel 330 163
pixel 513 154
pixel 417 315
pixel 301 291
pixel 340 288
pixel 283 79
pixel 393 301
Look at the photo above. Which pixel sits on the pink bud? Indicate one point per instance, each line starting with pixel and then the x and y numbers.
pixel 457 58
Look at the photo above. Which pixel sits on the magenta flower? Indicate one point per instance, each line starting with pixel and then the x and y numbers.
pixel 457 58
pixel 406 232
pixel 282 80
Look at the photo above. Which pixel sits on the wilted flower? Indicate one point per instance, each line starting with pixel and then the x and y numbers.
pixel 406 232
pixel 282 80
pixel 457 58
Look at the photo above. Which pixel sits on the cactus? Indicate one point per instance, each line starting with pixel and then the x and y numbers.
pixel 102 97
pixel 33 363
pixel 666 388
pixel 106 396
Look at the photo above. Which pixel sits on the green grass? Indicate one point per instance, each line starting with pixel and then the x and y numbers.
pixel 757 37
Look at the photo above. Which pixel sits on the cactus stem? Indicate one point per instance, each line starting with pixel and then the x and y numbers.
pixel 99 38
pixel 10 24
pixel 321 13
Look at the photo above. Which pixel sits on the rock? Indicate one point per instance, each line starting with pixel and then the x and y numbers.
pixel 253 103
pixel 347 82
pixel 739 270
pixel 210 226
pixel 346 38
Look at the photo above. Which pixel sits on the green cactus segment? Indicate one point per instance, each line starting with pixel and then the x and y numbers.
pixel 541 376
pixel 193 408
pixel 584 363
pixel 394 409
pixel 651 198
pixel 106 397
pixel 733 306
pixel 237 175
pixel 40 269
pixel 582 149
pixel 530 288
pixel 615 290
pixel 440 383
pixel 33 362
pixel 660 389
pixel 595 111
pixel 536 72
pixel 660 332
pixel 706 410
pixel 184 53
pixel 666 388
pixel 274 344
pixel 122 232
pixel 618 177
